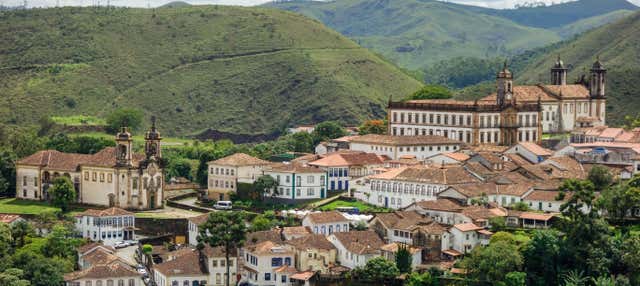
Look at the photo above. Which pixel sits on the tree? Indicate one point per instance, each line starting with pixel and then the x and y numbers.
pixel 8 160
pixel 128 117
pixel 432 91
pixel 260 223
pixel 497 223
pixel 600 176
pixel 327 130
pixel 516 279
pixel 265 184
pixel 19 231
pixel 620 200
pixel 377 269
pixel 418 279
pixel 541 257
pixel 60 243
pixel 179 167
pixel 403 259
pixel 6 241
pixel 575 278
pixel 62 193
pixel 225 229
pixel 493 262
pixel 13 277
pixel 372 127
pixel 39 270
pixel 302 142
pixel 520 206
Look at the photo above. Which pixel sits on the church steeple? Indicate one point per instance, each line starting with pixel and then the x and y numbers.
pixel 152 141
pixel 124 143
pixel 559 73
pixel 597 80
pixel 504 84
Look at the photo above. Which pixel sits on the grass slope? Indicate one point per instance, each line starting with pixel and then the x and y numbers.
pixel 584 25
pixel 617 44
pixel 245 70
pixel 416 33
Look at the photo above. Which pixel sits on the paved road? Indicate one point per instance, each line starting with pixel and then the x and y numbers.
pixel 128 254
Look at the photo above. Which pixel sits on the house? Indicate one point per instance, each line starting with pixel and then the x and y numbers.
pixel 342 167
pixel 533 152
pixel 294 232
pixel 502 193
pixel 95 253
pixel 411 228
pixel 113 177
pixel 268 263
pixel 450 212
pixel 390 250
pixel 401 187
pixel 10 219
pixel 464 237
pixel 225 174
pixel 355 248
pixel 604 134
pixel 185 267
pixel 116 273
pixel 297 181
pixel 314 253
pixel 192 227
pixel 394 147
pixel 109 225
pixel 216 265
pixel 510 115
pixel 448 158
pixel 326 223
pixel 529 219
pixel 546 200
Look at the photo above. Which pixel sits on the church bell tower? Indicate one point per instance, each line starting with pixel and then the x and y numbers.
pixel 559 73
pixel 124 143
pixel 597 80
pixel 504 82
pixel 152 141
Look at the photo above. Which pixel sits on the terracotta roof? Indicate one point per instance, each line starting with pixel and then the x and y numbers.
pixel 478 213
pixel 327 217
pixel 565 167
pixel 304 276
pixel 467 227
pixel 611 132
pixel 621 145
pixel 546 93
pixel 262 236
pixel 476 190
pixel 100 256
pixel 89 246
pixel 316 241
pixel 296 230
pixel 517 159
pixel 294 167
pixel 403 220
pixel 218 252
pixel 452 252
pixel 458 156
pixel 187 264
pixel 546 196
pixel 349 159
pixel 240 159
pixel 393 248
pixel 447 175
pixel 441 204
pixel 360 242
pixel 198 220
pixel 113 270
pixel 536 216
pixel 113 211
pixel 286 269
pixel 268 248
pixel 8 218
pixel 403 140
pixel 536 149
pixel 56 160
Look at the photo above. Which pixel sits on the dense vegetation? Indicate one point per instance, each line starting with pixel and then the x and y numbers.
pixel 242 70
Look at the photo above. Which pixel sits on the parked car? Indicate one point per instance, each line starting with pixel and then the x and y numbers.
pixel 142 271
pixel 223 205
pixel 120 244
pixel 131 242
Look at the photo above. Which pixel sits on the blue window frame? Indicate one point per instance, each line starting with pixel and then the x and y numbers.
pixel 340 172
pixel 346 172
pixel 276 261
pixel 267 276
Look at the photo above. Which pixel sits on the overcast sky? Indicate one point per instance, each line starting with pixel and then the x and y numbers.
pixel 154 3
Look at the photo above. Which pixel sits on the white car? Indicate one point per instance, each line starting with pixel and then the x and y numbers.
pixel 223 205
pixel 142 271
pixel 120 244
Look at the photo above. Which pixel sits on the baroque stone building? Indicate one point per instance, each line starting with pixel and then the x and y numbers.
pixel 512 114
pixel 114 177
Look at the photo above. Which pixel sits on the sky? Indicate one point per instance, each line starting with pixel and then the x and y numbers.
pixel 499 4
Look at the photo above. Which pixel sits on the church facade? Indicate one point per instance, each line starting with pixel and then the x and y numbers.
pixel 114 177
pixel 512 114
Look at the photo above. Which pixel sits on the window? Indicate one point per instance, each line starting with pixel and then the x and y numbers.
pixel 86 176
pixel 94 176
pixel 109 282
pixel 267 276
pixel 287 261
pixel 120 282
pixel 214 263
pixel 101 177
pixel 284 278
pixel 276 261
pixel 109 178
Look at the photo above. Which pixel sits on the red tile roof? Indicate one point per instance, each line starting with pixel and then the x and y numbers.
pixel 106 212
pixel 467 227
pixel 240 159
pixel 187 264
pixel 403 140
pixel 8 218
pixel 327 217
pixel 536 149
pixel 447 175
pixel 56 160
pixel 360 242
pixel 102 271
pixel 349 159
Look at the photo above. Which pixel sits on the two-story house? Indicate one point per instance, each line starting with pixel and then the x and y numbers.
pixel 313 252
pixel 268 263
pixel 341 167
pixel 297 181
pixel 109 225
pixel 355 248
pixel 224 174
pixel 326 223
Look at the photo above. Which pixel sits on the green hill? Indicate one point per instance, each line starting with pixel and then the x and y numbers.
pixel 559 15
pixel 243 70
pixel 584 25
pixel 418 33
pixel 617 44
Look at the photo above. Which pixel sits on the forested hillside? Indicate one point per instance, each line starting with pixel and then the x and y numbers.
pixel 243 70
